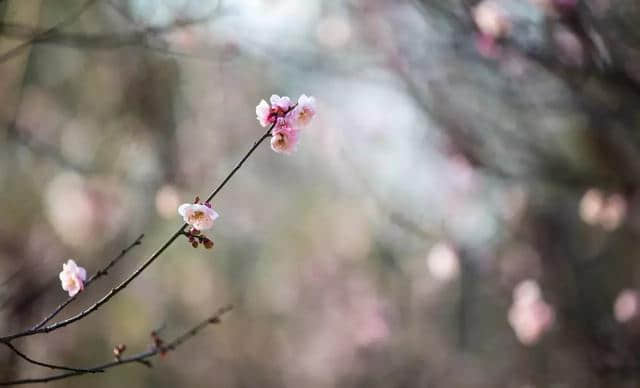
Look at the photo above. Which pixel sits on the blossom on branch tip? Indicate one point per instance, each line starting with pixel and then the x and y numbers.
pixel 72 277
pixel 199 216
pixel 287 120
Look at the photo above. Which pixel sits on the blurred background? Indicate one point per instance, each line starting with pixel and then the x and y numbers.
pixel 463 211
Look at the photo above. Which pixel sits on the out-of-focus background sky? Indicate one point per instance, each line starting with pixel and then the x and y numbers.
pixel 463 211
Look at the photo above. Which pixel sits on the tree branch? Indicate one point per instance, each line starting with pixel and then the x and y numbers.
pixel 137 358
pixel 47 365
pixel 151 259
pixel 98 274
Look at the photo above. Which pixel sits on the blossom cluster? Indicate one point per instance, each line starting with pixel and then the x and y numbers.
pixel 72 277
pixel 287 120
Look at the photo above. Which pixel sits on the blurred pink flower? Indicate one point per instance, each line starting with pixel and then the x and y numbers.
pixel 369 325
pixel 608 212
pixel 281 103
pixel 304 111
pixel 491 19
pixel 199 216
pixel 285 138
pixel 288 120
pixel 529 316
pixel 614 212
pixel 72 277
pixel 625 307
pixel 443 262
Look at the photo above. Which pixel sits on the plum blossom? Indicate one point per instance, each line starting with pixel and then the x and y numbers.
pixel 199 216
pixel 72 277
pixel 284 137
pixel 263 114
pixel 304 111
pixel 267 115
pixel 287 120
pixel 281 103
pixel 529 316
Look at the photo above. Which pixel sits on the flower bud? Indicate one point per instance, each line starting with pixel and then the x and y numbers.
pixel 118 350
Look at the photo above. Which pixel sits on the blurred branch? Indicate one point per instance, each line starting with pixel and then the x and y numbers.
pixel 44 34
pixel 137 358
pixel 395 216
pixel 95 40
pixel 45 150
pixel 53 35
pixel 13 71
pixel 124 14
pixel 411 226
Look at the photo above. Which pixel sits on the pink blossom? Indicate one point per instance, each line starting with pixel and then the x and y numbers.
pixel 263 113
pixel 199 216
pixel 288 119
pixel 267 115
pixel 608 212
pixel 443 262
pixel 72 277
pixel 625 307
pixel 284 137
pixel 304 111
pixel 491 19
pixel 281 103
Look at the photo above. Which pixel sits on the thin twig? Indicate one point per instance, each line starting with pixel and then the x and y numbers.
pixel 137 358
pixel 241 162
pixel 47 365
pixel 212 320
pixel 151 259
pixel 98 274
pixel 57 310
